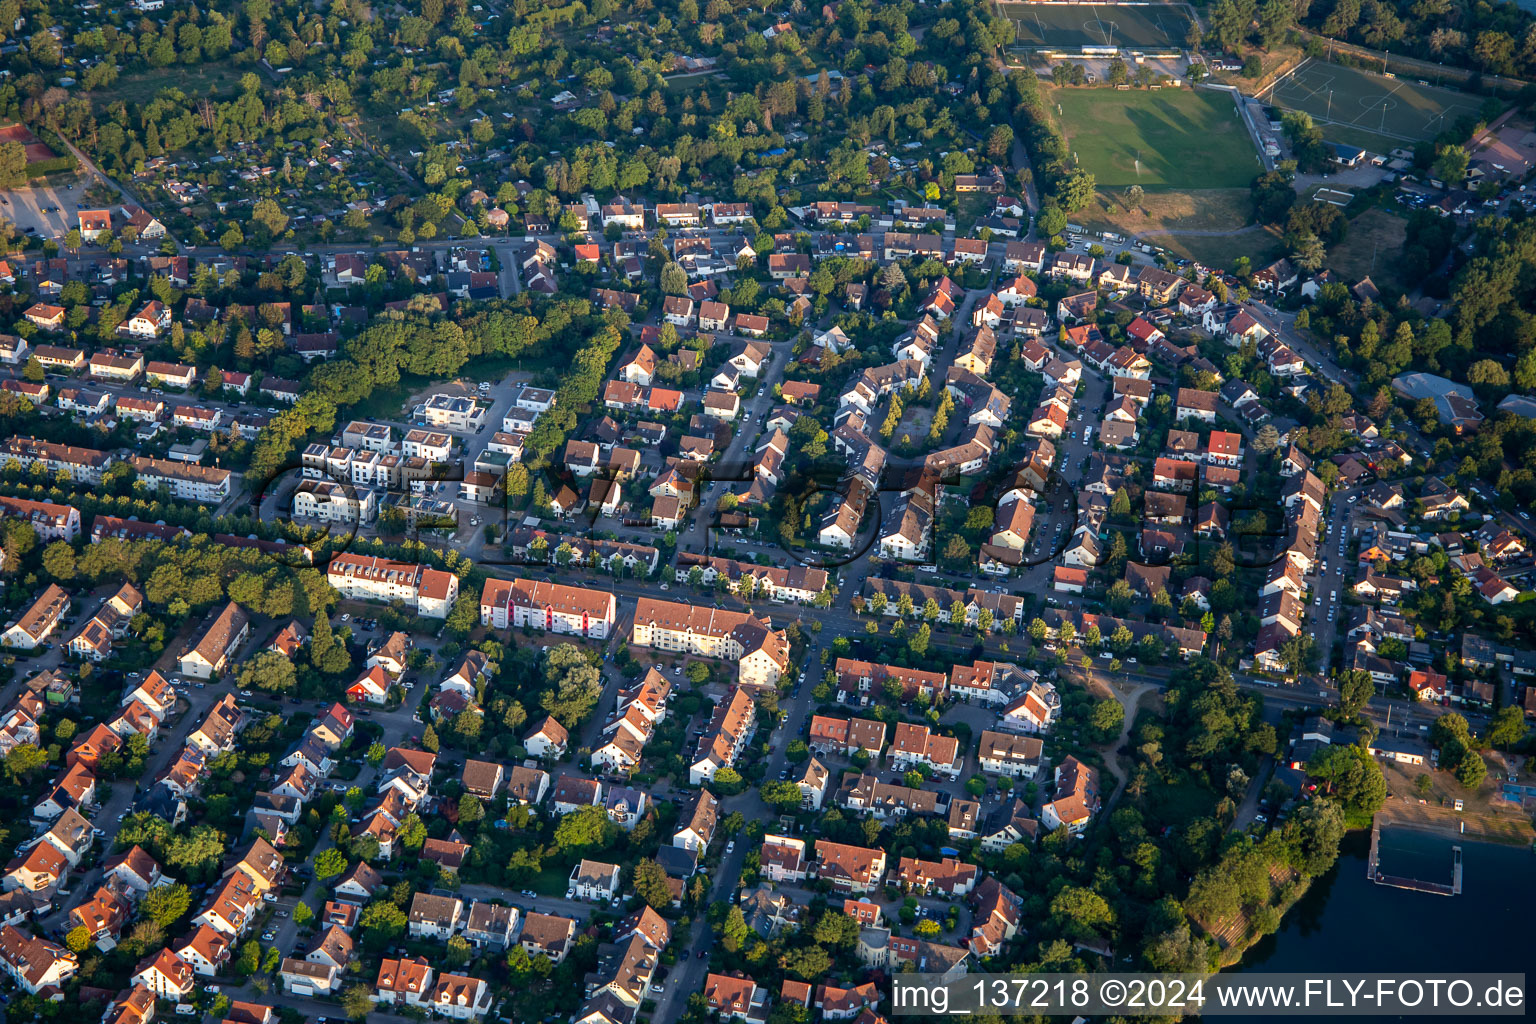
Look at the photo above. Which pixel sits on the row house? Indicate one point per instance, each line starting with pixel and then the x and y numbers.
pixel 846 736
pixel 800 583
pixel 94 640
pixel 900 245
pixel 209 654
pixel 856 679
pixel 730 728
pixel 112 365
pixel 913 745
pixel 972 602
pixel 1017 757
pixel 39 620
pixel 1022 256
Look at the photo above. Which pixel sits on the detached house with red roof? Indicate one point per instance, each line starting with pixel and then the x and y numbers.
pixel 165 974
pixel 949 876
pixel 36 965
pixel 94 225
pixel 148 322
pixel 1076 800
pixel 372 686
pixel 783 859
pixel 849 868
pixel 734 996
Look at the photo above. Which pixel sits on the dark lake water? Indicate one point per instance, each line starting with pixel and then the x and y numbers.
pixel 1346 923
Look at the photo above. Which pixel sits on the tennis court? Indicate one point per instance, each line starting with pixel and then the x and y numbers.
pixel 1074 26
pixel 1375 112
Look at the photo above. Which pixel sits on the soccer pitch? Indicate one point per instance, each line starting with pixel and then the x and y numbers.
pixel 1166 138
pixel 1358 108
pixel 1073 26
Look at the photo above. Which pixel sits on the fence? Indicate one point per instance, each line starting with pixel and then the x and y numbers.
pixel 1412 67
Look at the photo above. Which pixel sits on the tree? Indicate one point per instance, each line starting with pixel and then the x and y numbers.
pixel 1267 439
pixel 269 215
pixel 23 760
pixel 1075 191
pixel 1451 165
pixel 269 671
pixel 463 616
pixel 806 963
pixel 381 922
pixel 78 939
pixel 650 884
pixel 59 561
pixel 1299 654
pixel 574 685
pixel 33 370
pixel 927 928
pixel 249 960
pixel 1507 728
pixel 165 904
pixel 1307 252
pixel 1487 373
pixel 357 1003
pixel 1449 727
pixel 1352 775
pixel 1052 221
pixel 782 795
pixel 1134 196
pixel 1081 913
pixel 13 164
pixel 734 930
pixel 835 930
pixel 329 863
pixel 587 828
pixel 1108 717
pixel 674 280
pixel 1355 690
pixel 728 781
pixel 1472 770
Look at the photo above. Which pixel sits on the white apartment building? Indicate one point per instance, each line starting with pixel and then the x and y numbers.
pixel 186 481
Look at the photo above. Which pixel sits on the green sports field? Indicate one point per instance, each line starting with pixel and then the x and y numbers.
pixel 1046 26
pixel 1167 138
pixel 1374 112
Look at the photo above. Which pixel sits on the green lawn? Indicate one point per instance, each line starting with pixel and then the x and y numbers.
pixel 1168 138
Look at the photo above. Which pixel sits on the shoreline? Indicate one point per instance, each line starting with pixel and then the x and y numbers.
pixel 1450 825
pixel 1232 956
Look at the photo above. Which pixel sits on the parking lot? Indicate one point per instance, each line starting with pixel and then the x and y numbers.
pixel 48 210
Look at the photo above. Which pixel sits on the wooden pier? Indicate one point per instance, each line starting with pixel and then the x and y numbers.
pixel 1373 872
